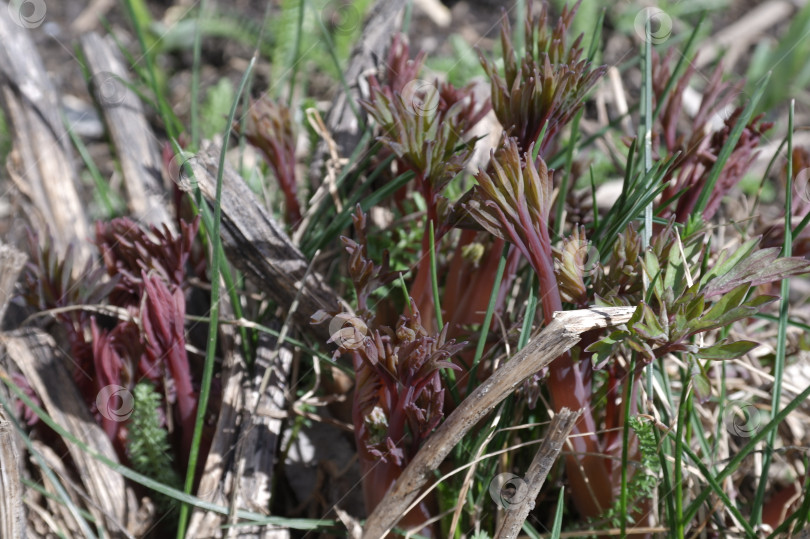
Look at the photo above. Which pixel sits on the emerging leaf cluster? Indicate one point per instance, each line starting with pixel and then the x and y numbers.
pixel 148 272
pixel 679 311
pixel 545 84
pixel 269 127
pixel 426 127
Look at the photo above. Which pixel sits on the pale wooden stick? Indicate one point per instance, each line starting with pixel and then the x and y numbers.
pixel 46 169
pixel 36 355
pixel 258 246
pixel 132 136
pixel 12 516
pixel 560 428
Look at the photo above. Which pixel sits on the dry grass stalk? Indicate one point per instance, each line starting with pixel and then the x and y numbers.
pixel 11 263
pixel 57 515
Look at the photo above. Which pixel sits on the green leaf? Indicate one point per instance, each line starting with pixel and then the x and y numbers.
pixel 603 349
pixel 723 351
pixel 725 319
pixel 218 102
pixel 729 301
pixel 653 271
pixel 637 314
pixel 758 268
pixel 694 308
pixel 702 386
pixel 724 265
pixel 675 276
pixel 651 328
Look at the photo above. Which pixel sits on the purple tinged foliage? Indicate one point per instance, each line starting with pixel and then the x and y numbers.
pixel 147 271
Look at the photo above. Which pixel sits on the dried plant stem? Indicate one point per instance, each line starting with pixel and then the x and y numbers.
pixel 560 428
pixel 12 515
pixel 45 169
pixel 132 137
pixel 559 336
pixel 36 355
pixel 257 245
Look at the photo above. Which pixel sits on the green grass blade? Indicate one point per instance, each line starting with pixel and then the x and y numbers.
pixel 293 69
pixel 343 220
pixel 112 203
pixel 531 311
pixel 746 450
pixel 61 494
pixel 628 392
pixel 213 327
pixel 569 162
pixel 301 524
pixel 163 106
pixel 666 482
pixel 195 75
pixel 332 50
pixel 434 280
pixel 683 406
pixel 716 487
pixel 558 514
pixel 683 57
pixel 781 339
